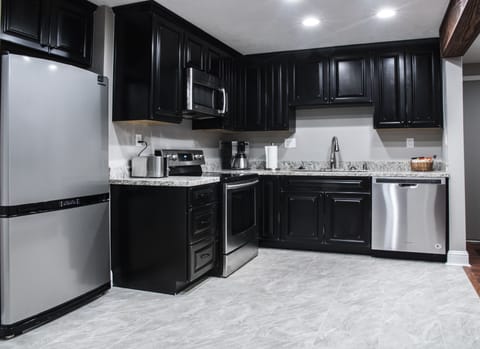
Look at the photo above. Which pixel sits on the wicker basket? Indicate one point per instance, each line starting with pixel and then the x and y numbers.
pixel 423 165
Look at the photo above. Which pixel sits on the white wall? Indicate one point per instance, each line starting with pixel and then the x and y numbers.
pixel 353 127
pixel 471 101
pixel 454 155
pixel 315 128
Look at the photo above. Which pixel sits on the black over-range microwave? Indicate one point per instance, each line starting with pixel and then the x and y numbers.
pixel 206 95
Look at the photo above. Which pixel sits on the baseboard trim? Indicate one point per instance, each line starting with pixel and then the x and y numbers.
pixel 458 258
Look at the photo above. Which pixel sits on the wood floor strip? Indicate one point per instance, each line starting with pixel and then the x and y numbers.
pixel 473 272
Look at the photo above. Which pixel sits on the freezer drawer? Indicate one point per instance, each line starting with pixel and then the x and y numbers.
pixel 409 215
pixel 50 258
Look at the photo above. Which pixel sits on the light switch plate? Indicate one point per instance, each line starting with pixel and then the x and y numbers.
pixel 138 140
pixel 410 143
pixel 290 143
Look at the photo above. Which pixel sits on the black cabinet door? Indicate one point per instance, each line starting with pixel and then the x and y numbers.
pixel 270 211
pixel 302 216
pixel 25 22
pixel 277 89
pixel 347 218
pixel 389 91
pixel 254 98
pixel 424 103
pixel 350 79
pixel 167 71
pixel 311 80
pixel 71 30
pixel 195 52
pixel 214 61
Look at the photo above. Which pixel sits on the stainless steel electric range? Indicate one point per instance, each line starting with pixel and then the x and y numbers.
pixel 238 238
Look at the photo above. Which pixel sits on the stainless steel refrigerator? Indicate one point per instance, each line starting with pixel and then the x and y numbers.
pixel 54 220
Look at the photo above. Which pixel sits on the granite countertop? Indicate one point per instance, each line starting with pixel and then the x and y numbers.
pixel 172 181
pixel 343 173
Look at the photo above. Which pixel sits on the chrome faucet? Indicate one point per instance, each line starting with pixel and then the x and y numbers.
pixel 333 153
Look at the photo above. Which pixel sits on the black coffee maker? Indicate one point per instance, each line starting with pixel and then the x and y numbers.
pixel 234 155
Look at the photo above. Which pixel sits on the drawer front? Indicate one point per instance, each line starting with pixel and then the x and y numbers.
pixel 202 222
pixel 326 184
pixel 202 258
pixel 203 195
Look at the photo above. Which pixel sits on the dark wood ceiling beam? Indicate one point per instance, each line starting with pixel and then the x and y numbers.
pixel 460 27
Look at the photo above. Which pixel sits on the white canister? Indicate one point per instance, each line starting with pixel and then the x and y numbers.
pixel 271 155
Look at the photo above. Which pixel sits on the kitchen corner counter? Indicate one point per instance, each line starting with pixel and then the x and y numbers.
pixel 172 181
pixel 343 173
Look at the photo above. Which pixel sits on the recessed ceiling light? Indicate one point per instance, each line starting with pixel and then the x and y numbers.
pixel 386 13
pixel 311 22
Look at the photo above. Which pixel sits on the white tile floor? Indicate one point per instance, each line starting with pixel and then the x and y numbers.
pixel 284 299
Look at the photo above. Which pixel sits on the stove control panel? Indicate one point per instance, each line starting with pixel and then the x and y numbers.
pixel 179 157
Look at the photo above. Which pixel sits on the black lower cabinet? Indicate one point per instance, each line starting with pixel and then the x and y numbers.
pixel 317 213
pixel 302 217
pixel 162 238
pixel 347 219
pixel 269 227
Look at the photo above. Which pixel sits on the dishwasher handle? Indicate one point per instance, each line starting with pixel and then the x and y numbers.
pixel 409 182
pixel 408 185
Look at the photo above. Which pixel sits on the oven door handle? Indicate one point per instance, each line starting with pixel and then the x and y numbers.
pixel 241 185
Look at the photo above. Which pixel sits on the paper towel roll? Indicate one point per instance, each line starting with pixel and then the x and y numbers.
pixel 271 155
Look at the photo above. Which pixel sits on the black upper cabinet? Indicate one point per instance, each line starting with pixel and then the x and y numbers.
pixel 254 98
pixel 408 86
pixel 167 67
pixel 71 30
pixel 389 89
pixel 354 230
pixel 279 115
pixel 350 79
pixel 201 55
pixel 153 47
pixel 194 52
pixel 311 84
pixel 268 88
pixel 26 22
pixel 214 62
pixel 325 78
pixel 148 68
pixel 424 88
pixel 58 27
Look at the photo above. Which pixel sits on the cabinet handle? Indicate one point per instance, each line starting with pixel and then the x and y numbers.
pixel 325 99
pixel 205 255
pixel 332 98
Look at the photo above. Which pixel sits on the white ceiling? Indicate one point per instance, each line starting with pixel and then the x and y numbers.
pixel 255 26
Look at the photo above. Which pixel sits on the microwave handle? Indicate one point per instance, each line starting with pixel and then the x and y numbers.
pixel 227 104
pixel 225 101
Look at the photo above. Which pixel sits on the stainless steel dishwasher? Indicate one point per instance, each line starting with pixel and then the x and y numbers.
pixel 409 215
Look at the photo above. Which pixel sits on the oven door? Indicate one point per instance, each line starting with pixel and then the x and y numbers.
pixel 240 214
pixel 205 95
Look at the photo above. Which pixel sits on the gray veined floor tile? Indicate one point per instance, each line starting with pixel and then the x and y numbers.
pixel 283 299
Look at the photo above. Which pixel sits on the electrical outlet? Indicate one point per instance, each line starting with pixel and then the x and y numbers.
pixel 290 143
pixel 410 143
pixel 138 140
